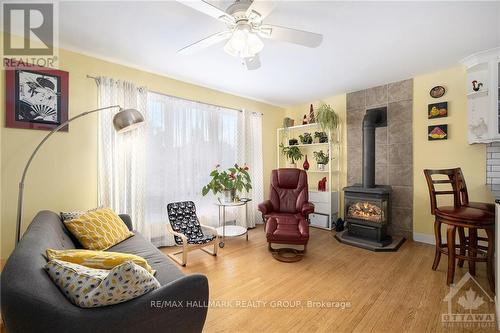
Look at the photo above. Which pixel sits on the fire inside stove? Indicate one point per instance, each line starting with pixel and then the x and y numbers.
pixel 365 211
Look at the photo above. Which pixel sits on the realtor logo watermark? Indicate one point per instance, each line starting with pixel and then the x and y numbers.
pixel 469 305
pixel 30 34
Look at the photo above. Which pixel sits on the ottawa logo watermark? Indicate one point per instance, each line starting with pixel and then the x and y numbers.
pixel 30 34
pixel 469 305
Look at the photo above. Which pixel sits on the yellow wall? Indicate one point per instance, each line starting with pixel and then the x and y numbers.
pixel 454 152
pixel 338 103
pixel 64 175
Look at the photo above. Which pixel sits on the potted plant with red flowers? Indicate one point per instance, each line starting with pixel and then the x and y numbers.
pixel 228 182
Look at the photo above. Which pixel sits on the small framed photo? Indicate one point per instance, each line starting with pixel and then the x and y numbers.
pixel 437 132
pixel 37 98
pixel 437 110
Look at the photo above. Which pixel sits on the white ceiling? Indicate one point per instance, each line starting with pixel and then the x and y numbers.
pixel 365 43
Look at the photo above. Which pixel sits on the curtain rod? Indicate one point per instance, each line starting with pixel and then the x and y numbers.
pixel 187 99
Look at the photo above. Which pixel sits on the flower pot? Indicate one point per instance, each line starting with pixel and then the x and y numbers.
pixel 288 122
pixel 321 167
pixel 292 165
pixel 229 195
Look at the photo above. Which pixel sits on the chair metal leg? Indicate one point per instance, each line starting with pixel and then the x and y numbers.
pixel 463 243
pixel 451 234
pixel 437 234
pixel 472 250
pixel 490 269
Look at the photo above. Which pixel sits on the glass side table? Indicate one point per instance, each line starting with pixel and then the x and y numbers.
pixel 231 230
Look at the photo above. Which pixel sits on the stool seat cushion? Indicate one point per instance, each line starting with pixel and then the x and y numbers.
pixel 287 230
pixel 482 205
pixel 465 214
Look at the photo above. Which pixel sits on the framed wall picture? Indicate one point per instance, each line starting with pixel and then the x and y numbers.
pixel 437 110
pixel 437 132
pixel 37 98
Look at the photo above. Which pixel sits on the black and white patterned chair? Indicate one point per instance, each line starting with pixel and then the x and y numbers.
pixel 188 232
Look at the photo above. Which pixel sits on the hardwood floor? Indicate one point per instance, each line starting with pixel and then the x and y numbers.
pixel 388 292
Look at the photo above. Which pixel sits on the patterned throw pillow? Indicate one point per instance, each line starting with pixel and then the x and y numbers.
pixel 97 259
pixel 76 213
pixel 90 287
pixel 99 229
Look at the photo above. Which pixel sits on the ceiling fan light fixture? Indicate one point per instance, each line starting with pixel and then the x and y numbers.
pixel 243 43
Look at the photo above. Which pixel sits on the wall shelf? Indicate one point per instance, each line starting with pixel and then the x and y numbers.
pixel 476 94
pixel 299 127
pixel 310 145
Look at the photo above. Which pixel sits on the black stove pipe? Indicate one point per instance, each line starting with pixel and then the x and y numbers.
pixel 373 118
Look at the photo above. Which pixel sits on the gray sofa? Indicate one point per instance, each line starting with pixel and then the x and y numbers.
pixel 31 302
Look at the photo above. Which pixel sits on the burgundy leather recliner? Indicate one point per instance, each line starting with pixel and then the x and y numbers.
pixel 288 195
pixel 286 213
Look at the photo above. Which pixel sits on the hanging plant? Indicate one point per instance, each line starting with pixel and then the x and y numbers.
pixel 327 118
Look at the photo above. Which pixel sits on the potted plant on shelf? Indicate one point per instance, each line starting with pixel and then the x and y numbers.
pixel 327 118
pixel 228 182
pixel 321 159
pixel 306 138
pixel 292 153
pixel 321 136
pixel 293 142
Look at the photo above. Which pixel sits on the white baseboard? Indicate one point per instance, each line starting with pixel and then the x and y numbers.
pixel 424 238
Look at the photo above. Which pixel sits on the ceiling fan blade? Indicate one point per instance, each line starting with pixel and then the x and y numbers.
pixel 305 38
pixel 259 9
pixel 252 63
pixel 209 10
pixel 206 42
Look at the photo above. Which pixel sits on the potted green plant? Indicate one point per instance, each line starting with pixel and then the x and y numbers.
pixel 321 159
pixel 321 136
pixel 292 153
pixel 327 118
pixel 228 182
pixel 293 142
pixel 306 138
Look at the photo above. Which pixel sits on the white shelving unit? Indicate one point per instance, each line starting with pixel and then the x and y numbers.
pixel 326 203
pixel 483 105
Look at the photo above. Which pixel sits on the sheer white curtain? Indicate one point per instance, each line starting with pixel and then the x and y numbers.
pixel 250 152
pixel 121 171
pixel 186 140
pixel 170 158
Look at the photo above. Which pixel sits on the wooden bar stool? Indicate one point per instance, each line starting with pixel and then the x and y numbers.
pixel 459 217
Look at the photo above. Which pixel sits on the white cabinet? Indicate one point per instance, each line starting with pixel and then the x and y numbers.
pixel 326 208
pixel 483 104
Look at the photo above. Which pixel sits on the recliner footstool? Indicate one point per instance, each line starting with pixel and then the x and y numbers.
pixel 287 229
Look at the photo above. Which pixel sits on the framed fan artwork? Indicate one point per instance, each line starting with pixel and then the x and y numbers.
pixel 37 98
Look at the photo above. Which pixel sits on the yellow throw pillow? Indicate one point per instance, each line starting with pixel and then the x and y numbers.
pixel 97 259
pixel 99 229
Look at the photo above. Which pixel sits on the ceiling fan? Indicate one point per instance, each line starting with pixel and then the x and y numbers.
pixel 245 29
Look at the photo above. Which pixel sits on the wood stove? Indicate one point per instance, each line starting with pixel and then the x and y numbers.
pixel 367 213
pixel 367 207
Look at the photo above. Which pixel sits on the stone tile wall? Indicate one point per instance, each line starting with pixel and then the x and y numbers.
pixel 394 152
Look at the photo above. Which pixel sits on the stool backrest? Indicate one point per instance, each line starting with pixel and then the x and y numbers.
pixel 454 178
pixel 464 195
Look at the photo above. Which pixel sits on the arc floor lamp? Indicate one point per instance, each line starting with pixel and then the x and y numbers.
pixel 124 121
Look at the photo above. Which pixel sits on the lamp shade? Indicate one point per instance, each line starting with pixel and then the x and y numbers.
pixel 127 119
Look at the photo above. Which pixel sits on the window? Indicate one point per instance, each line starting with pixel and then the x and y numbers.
pixel 186 140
